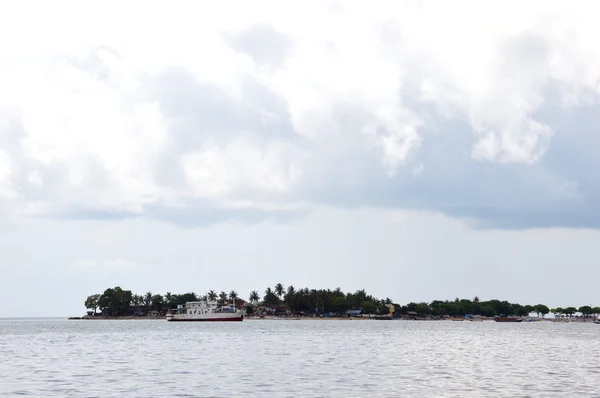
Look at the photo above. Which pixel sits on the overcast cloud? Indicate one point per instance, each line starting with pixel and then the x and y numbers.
pixel 418 149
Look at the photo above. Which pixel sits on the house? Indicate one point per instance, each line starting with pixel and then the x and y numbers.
pixel 412 314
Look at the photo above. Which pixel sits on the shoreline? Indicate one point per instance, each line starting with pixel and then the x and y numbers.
pixel 310 318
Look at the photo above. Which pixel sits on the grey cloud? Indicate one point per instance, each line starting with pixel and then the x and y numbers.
pixel 201 112
pixel 341 170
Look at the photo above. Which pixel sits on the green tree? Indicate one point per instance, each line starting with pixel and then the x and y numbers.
pixel 233 295
pixel 157 302
pixel 500 307
pixel 254 297
pixel 528 309
pixel 212 295
pixel 148 299
pixel 168 299
pixel 519 310
pixel 368 307
pixel 586 310
pixel 270 297
pixel 92 302
pixel 136 299
pixel 279 290
pixel 486 310
pixel 180 299
pixel 290 296
pixel 541 309
pixel 115 301
pixel 570 311
pixel 596 311
pixel 222 297
pixel 340 304
pixel 557 311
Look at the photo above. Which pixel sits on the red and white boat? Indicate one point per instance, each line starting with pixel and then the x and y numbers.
pixel 204 311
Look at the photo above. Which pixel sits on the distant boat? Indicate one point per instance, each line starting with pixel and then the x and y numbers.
pixel 507 319
pixel 204 311
pixel 597 321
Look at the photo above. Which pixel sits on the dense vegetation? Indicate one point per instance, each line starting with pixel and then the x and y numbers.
pixel 116 301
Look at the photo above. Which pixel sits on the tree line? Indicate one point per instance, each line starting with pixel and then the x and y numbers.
pixel 116 301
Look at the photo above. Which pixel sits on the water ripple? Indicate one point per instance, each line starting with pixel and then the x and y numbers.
pixel 59 358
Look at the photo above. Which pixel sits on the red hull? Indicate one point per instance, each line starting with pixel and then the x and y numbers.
pixel 208 320
pixel 507 319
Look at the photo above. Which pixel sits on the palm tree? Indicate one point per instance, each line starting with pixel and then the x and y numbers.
pixel 254 297
pixel 137 299
pixel 279 290
pixel 270 297
pixel 290 295
pixel 168 298
pixel 148 299
pixel 223 297
pixel 211 295
pixel 291 290
pixel 233 295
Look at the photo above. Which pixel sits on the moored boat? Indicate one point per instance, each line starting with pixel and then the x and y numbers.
pixel 204 311
pixel 507 319
pixel 597 322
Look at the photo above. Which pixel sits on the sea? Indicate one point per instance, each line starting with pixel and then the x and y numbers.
pixel 304 358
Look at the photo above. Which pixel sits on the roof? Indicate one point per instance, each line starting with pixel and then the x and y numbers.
pixel 353 312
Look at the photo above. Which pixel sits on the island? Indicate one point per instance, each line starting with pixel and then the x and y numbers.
pixel 292 303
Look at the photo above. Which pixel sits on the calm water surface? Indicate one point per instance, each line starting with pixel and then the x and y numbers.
pixel 60 358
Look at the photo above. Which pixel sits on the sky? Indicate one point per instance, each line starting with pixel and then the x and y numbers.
pixel 420 150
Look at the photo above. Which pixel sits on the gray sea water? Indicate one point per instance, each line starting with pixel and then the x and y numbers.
pixel 268 358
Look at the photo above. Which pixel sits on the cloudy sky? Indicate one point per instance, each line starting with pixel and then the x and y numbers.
pixel 419 150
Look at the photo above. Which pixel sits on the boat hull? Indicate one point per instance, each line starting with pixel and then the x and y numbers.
pixel 502 319
pixel 229 319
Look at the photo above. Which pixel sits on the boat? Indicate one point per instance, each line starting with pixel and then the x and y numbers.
pixel 507 319
pixel 597 322
pixel 205 311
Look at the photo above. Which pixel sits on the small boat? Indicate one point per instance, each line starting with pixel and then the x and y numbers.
pixel 204 311
pixel 597 321
pixel 507 319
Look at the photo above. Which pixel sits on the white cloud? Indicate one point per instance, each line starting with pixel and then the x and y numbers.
pixel 82 120
pixel 215 172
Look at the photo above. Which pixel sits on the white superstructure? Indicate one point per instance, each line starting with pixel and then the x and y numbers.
pixel 205 311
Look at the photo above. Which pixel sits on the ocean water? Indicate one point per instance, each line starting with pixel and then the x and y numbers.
pixel 320 358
